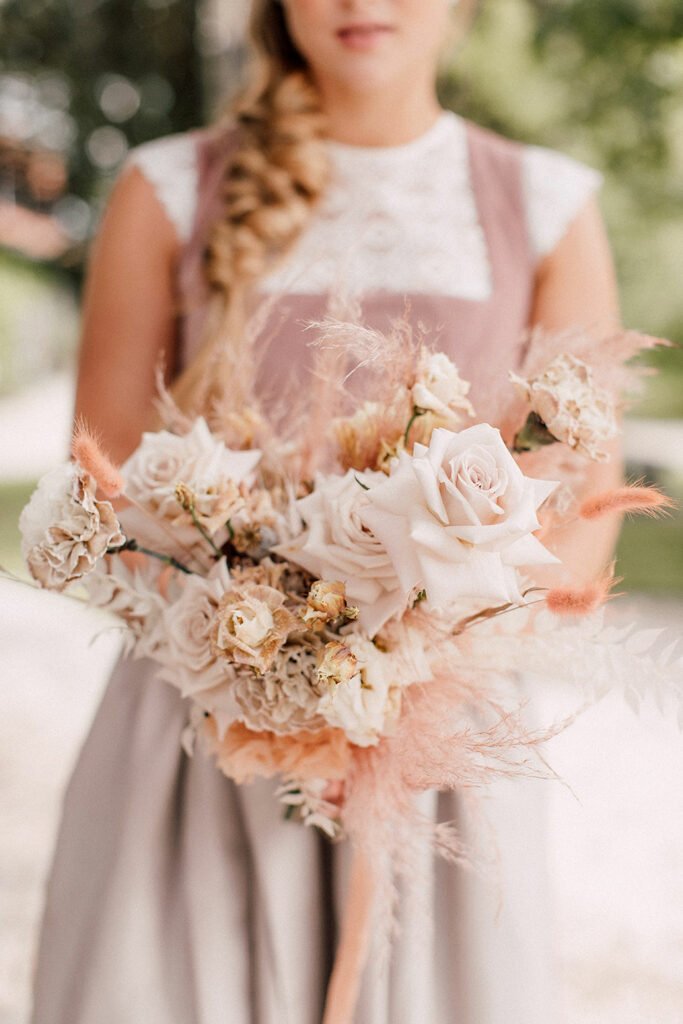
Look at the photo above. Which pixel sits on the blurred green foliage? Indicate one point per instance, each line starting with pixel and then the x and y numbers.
pixel 603 81
pixel 599 79
pixel 99 76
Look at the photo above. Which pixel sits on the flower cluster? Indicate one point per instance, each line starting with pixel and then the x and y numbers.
pixel 311 623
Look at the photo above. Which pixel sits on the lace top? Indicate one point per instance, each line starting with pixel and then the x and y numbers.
pixel 400 218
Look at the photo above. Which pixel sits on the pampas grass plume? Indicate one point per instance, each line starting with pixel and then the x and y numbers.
pixel 632 498
pixel 86 450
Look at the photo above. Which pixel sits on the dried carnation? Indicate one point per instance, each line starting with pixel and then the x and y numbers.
pixel 65 529
pixel 244 754
pixel 251 626
pixel 570 405
pixel 284 699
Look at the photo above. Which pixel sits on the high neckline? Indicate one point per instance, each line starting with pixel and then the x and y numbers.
pixel 440 129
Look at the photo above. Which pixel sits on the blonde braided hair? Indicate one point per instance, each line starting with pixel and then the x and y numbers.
pixel 273 181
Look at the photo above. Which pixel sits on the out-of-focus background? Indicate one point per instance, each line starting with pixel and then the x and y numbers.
pixel 81 83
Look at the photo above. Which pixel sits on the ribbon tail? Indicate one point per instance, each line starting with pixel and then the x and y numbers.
pixel 352 953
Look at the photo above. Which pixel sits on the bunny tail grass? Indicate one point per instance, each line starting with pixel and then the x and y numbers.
pixel 87 451
pixel 632 498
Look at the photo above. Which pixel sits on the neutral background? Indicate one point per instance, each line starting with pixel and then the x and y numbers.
pixel 79 85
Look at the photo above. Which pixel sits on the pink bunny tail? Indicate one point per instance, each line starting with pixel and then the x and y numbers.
pixel 86 450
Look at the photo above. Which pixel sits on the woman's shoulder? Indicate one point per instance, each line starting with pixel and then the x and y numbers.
pixel 173 165
pixel 555 186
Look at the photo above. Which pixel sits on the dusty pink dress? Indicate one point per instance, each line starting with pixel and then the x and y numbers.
pixel 177 897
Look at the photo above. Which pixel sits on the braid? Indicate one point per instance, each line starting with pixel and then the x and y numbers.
pixel 274 179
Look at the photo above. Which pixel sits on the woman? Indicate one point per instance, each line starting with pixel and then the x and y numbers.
pixel 176 896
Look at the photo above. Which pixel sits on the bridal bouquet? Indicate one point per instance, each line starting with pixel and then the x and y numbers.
pixel 348 607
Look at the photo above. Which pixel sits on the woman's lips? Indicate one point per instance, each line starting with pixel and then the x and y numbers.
pixel 362 37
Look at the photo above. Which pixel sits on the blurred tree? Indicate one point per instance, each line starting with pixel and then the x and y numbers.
pixel 603 81
pixel 88 79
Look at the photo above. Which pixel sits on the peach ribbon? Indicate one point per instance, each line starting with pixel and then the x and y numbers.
pixel 352 953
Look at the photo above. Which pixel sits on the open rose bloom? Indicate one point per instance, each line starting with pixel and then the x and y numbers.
pixel 355 630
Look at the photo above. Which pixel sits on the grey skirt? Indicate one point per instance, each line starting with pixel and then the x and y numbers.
pixel 177 897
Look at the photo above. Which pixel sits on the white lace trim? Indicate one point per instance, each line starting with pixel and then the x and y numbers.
pixel 396 218
pixel 399 218
pixel 556 188
pixel 170 165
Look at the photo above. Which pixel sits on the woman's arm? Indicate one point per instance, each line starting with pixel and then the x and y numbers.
pixel 576 286
pixel 128 315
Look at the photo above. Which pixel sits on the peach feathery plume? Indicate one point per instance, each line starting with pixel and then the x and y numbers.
pixel 632 498
pixel 582 600
pixel 88 452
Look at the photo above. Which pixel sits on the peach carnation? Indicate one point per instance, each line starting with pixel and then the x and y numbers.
pixel 244 755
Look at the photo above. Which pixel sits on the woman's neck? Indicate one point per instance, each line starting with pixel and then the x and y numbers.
pixel 380 118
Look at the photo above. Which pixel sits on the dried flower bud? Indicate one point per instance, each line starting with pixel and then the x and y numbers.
pixel 337 665
pixel 326 601
pixel 185 496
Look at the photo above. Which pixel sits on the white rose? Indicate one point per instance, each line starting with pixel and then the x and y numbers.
pixel 187 658
pixel 457 517
pixel 65 530
pixel 197 459
pixel 366 705
pixel 440 389
pixel 336 545
pixel 574 409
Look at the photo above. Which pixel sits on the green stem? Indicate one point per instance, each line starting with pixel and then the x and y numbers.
pixel 217 551
pixel 132 545
pixel 417 412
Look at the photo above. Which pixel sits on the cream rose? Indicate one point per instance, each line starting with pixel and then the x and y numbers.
pixel 65 530
pixel 200 461
pixel 457 518
pixel 187 658
pixel 571 405
pixel 337 545
pixel 440 389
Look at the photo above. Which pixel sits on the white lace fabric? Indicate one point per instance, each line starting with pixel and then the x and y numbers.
pixel 397 218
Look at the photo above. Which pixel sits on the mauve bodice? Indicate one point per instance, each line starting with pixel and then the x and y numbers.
pixel 484 337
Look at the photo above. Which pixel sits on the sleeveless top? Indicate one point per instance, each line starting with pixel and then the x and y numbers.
pixel 448 229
